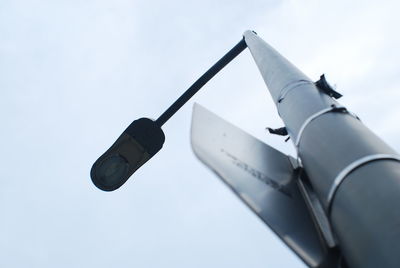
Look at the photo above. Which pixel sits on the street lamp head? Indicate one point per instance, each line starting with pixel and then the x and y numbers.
pixel 144 137
pixel 136 145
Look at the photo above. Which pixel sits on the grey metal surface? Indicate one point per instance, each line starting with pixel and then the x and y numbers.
pixel 262 177
pixel 279 75
pixel 311 118
pixel 317 212
pixel 332 142
pixel 364 213
pixel 375 233
pixel 359 162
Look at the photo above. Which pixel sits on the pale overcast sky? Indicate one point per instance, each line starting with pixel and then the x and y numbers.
pixel 74 74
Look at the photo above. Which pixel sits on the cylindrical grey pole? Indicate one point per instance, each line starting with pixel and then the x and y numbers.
pixel 354 173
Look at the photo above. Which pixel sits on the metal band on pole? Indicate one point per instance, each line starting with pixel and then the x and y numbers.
pixel 350 168
pixel 314 116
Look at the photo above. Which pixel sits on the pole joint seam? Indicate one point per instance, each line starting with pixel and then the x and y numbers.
pixel 289 87
pixel 351 167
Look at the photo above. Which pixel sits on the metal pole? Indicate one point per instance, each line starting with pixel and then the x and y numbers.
pixel 193 89
pixel 355 174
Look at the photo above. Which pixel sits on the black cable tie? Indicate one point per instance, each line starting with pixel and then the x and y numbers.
pixel 278 131
pixel 323 85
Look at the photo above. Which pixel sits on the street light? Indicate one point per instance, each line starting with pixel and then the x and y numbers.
pixel 144 137
pixel 345 176
pixel 136 145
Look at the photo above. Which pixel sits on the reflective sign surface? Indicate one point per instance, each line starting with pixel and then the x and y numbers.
pixel 261 176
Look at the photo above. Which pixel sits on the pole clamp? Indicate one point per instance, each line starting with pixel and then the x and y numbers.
pixel 351 167
pixel 333 108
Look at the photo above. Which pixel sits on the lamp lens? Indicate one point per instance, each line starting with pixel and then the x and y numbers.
pixel 112 169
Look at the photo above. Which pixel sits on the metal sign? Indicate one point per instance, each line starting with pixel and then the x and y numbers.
pixel 261 177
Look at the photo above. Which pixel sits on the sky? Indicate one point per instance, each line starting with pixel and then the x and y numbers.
pixel 74 74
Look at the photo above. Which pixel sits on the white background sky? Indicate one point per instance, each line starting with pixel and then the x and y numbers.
pixel 74 74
